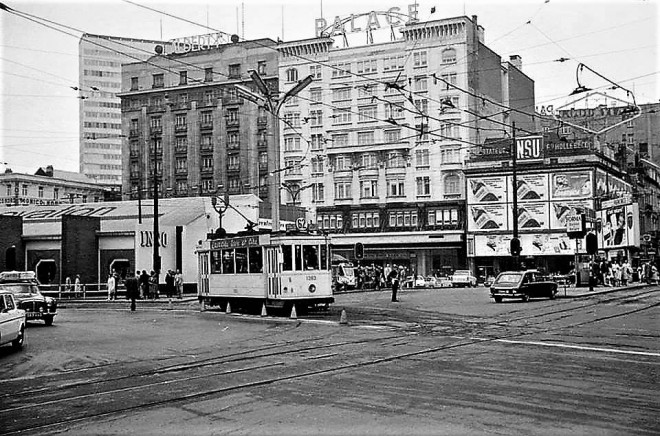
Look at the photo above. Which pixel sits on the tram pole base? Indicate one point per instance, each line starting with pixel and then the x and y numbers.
pixel 294 315
pixel 263 310
pixel 343 319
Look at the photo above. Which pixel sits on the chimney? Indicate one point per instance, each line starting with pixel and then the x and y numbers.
pixel 516 61
pixel 49 171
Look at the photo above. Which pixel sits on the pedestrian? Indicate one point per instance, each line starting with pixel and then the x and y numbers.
pixel 394 279
pixel 154 292
pixel 132 292
pixel 169 283
pixel 112 287
pixel 67 287
pixel 387 272
pixel 178 283
pixel 604 269
pixel 654 275
pixel 626 272
pixel 144 284
pixel 77 286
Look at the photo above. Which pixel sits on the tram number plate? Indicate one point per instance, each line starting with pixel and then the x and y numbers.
pixel 310 277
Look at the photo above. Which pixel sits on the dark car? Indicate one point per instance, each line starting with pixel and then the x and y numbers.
pixel 25 288
pixel 522 284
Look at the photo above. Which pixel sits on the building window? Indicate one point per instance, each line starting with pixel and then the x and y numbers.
pixel 206 142
pixel 452 184
pixel 403 218
pixel 8 190
pixel 156 123
pixel 369 66
pixel 292 143
pixel 450 156
pixel 56 193
pixel 317 165
pixel 316 142
pixel 369 160
pixel 332 221
pixel 232 162
pixel 366 91
pixel 394 111
pixel 41 192
pixel 449 131
pixel 292 75
pixel 341 70
pixel 315 71
pixel 316 95
pixel 340 140
pixel 316 118
pixel 369 188
pixel 422 106
pixel 182 187
pixel 367 114
pixel 420 83
pixel 449 77
pixel 343 190
pixel 449 56
pixel 395 159
pixel 183 77
pixel 365 220
pixel 181 164
pixel 419 59
pixel 208 74
pixel 341 116
pixel 207 164
pixel 341 94
pixel 342 162
pixel 207 185
pixel 365 138
pixel 395 188
pixel 423 186
pixel 394 63
pixel 232 140
pixel 181 144
pixel 234 71
pixel 180 120
pixel 291 120
pixel 207 117
pixel 232 115
pixel 134 83
pixel 24 190
pixel 422 158
pixel 261 67
pixel 318 192
pixel 158 81
pixel 392 136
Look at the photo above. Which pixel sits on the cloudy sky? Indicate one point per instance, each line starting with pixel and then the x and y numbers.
pixel 39 64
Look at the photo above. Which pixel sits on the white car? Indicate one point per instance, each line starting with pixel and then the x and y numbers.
pixel 463 277
pixel 12 321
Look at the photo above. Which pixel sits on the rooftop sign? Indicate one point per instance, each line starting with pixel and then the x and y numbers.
pixel 198 42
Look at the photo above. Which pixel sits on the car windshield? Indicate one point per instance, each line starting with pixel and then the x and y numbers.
pixel 20 288
pixel 508 278
pixel 461 273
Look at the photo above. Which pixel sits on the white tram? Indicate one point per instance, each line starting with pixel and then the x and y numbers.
pixel 275 269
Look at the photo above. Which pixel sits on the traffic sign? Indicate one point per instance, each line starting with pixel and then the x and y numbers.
pixel 575 225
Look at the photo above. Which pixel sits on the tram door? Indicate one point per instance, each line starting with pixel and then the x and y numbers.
pixel 203 260
pixel 274 271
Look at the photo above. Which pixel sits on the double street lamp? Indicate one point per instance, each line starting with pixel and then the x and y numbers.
pixel 272 103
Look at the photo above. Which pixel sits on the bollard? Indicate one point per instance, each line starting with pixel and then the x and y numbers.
pixel 294 315
pixel 343 319
pixel 169 304
pixel 263 310
pixel 228 309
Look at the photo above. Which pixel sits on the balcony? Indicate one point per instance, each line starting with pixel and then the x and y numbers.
pixel 180 128
pixel 206 170
pixel 180 150
pixel 233 145
pixel 232 124
pixel 156 130
pixel 181 171
pixel 262 143
pixel 134 133
pixel 233 169
pixel 207 149
pixel 262 121
pixel 226 101
pixel 135 174
pixel 206 125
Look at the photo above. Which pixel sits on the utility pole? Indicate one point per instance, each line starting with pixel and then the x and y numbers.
pixel 156 259
pixel 515 246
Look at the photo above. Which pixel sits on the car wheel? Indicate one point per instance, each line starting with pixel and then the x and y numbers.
pixel 498 299
pixel 48 320
pixel 525 298
pixel 18 342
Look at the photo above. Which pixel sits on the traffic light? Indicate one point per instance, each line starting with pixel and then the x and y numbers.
pixel 515 247
pixel 591 241
pixel 358 250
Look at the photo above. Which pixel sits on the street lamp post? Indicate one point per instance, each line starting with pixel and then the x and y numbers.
pixel 220 209
pixel 515 245
pixel 273 104
pixel 156 258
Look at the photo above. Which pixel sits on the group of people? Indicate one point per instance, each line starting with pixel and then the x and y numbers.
pixel 620 273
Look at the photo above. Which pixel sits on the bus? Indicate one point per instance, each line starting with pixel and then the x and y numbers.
pixel 275 270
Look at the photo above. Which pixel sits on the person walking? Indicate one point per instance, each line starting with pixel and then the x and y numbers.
pixel 178 283
pixel 77 286
pixel 154 292
pixel 144 284
pixel 132 291
pixel 112 287
pixel 626 273
pixel 169 283
pixel 67 287
pixel 393 277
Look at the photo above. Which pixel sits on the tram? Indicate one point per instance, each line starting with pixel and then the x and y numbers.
pixel 278 270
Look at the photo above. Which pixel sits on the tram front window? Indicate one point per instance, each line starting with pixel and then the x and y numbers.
pixel 256 260
pixel 287 258
pixel 241 261
pixel 298 258
pixel 310 257
pixel 216 262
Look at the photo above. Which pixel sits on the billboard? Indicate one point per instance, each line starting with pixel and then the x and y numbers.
pixel 540 244
pixel 487 190
pixel 618 227
pixel 569 185
pixel 491 217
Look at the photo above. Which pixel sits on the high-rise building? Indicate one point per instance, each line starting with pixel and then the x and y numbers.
pixel 377 144
pixel 100 59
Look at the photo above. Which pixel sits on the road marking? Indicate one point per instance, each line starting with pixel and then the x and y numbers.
pixel 574 347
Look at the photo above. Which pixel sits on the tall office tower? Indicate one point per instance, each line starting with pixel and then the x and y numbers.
pixel 100 60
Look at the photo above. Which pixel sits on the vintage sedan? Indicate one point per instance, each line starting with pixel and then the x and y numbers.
pixel 463 277
pixel 25 288
pixel 12 321
pixel 523 285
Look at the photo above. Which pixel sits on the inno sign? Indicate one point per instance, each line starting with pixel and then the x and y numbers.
pixel 147 239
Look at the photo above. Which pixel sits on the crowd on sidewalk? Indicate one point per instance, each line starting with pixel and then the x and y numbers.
pixel 620 273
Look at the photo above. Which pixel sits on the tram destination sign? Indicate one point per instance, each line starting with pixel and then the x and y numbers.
pixel 239 242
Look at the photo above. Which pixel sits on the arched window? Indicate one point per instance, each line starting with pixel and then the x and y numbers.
pixel 449 56
pixel 452 184
pixel 291 75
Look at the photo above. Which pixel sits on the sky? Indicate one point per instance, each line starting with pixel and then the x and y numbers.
pixel 39 122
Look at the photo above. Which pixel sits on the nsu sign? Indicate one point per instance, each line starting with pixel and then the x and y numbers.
pixel 147 239
pixel 529 148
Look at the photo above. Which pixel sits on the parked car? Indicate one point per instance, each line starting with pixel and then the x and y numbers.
pixel 12 321
pixel 414 282
pixel 25 288
pixel 522 284
pixel 463 277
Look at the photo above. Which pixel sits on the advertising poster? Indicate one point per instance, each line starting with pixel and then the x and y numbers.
pixel 531 187
pixel 618 227
pixel 487 218
pixel 570 185
pixel 487 190
pixel 542 244
pixel 559 210
pixel 610 186
pixel 532 216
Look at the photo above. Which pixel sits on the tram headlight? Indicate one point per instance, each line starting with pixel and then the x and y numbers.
pixel 312 288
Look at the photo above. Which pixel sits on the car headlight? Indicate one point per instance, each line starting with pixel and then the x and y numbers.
pixel 312 288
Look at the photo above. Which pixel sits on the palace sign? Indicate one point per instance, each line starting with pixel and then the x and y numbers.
pixel 366 22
